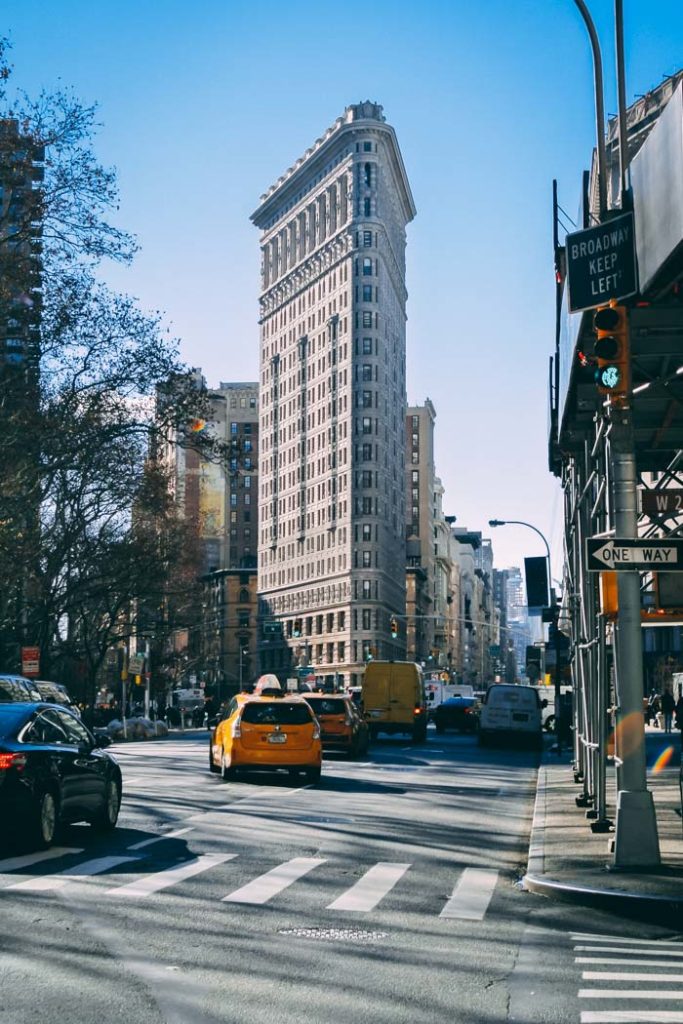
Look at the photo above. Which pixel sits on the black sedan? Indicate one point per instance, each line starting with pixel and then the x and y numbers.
pixel 53 771
pixel 461 713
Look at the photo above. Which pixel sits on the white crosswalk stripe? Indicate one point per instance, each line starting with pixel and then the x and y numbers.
pixel 647 989
pixel 76 874
pixel 371 888
pixel 273 882
pixel 471 895
pixel 169 876
pixel 27 860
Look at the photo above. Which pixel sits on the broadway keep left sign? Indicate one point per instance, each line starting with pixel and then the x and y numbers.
pixel 601 264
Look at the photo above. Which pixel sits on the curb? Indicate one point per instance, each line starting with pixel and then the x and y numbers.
pixel 661 909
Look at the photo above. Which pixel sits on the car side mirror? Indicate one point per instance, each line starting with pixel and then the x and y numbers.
pixel 102 740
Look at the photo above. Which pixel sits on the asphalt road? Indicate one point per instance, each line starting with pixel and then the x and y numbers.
pixel 388 894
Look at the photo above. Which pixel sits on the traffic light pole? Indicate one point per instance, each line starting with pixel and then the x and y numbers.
pixel 636 840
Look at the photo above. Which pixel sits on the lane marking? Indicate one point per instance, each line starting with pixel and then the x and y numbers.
pixel 273 882
pixel 629 941
pixel 158 839
pixel 78 873
pixel 635 1016
pixel 626 961
pixel 371 888
pixel 620 949
pixel 471 895
pixel 635 993
pixel 169 876
pixel 26 860
pixel 628 976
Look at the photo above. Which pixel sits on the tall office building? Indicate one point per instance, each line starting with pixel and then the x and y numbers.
pixel 333 400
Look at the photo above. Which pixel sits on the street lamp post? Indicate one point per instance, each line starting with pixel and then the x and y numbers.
pixel 555 616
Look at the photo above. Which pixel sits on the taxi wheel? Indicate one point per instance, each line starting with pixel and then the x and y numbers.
pixel 313 775
pixel 227 771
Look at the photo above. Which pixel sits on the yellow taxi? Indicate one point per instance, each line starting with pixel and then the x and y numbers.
pixel 265 731
pixel 342 726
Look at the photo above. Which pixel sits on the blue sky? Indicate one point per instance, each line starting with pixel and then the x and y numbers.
pixel 203 105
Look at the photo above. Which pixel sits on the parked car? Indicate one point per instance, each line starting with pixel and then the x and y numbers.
pixel 53 771
pixel 511 711
pixel 461 713
pixel 265 732
pixel 17 688
pixel 342 727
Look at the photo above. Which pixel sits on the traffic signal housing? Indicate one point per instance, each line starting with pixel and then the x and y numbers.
pixel 612 351
pixel 393 626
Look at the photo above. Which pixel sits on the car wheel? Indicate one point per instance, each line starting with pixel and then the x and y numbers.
pixel 212 767
pixel 43 824
pixel 313 776
pixel 549 724
pixel 108 815
pixel 227 770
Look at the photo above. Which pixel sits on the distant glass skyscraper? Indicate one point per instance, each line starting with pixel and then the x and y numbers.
pixel 333 400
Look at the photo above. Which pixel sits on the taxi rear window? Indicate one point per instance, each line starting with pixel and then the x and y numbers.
pixel 327 706
pixel 276 713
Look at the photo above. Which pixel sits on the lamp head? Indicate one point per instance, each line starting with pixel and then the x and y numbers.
pixel 496 522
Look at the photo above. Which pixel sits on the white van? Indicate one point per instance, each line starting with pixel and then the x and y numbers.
pixel 509 710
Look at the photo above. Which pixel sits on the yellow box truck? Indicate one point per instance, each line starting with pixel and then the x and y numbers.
pixel 393 698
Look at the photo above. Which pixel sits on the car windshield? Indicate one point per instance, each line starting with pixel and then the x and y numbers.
pixel 328 706
pixel 276 713
pixel 11 717
pixel 12 690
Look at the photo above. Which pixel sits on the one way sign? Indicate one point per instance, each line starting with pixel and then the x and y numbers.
pixel 621 555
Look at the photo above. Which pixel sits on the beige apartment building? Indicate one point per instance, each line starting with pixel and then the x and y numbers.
pixel 333 400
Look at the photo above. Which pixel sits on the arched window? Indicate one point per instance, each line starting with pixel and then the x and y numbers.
pixel 244 596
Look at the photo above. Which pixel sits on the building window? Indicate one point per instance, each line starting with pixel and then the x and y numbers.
pixel 247 499
pixel 247 428
pixel 247 464
pixel 367 453
pixel 367 318
pixel 233 429
pixel 367 209
pixel 415 457
pixel 366 478
pixel 233 517
pixel 243 620
pixel 244 596
pixel 252 402
pixel 233 500
pixel 247 481
pixel 367 399
pixel 415 474
pixel 366 618
pixel 367 346
pixel 367 558
pixel 247 445
pixel 341 652
pixel 367 238
pixel 341 620
pixel 330 654
pixel 367 266
pixel 367 293
pixel 367 147
pixel 367 532
pixel 367 371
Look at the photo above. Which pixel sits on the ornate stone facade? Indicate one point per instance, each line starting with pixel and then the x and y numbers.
pixel 333 398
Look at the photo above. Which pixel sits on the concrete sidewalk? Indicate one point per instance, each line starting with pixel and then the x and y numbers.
pixel 567 861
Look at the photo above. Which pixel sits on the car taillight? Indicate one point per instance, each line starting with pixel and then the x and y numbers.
pixel 236 730
pixel 316 730
pixel 348 720
pixel 417 711
pixel 7 761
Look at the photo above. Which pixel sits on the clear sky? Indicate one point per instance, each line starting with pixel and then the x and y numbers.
pixel 204 104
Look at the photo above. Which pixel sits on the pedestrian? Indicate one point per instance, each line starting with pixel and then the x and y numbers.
pixel 668 704
pixel 679 716
pixel 652 702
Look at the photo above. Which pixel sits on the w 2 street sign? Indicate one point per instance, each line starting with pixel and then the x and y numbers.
pixel 615 554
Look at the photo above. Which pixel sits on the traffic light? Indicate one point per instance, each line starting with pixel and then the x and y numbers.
pixel 612 351
pixel 296 629
pixel 393 626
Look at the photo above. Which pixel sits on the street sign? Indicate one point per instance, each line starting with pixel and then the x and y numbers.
pixel 30 661
pixel 622 555
pixel 601 263
pixel 670 500
pixel 136 664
